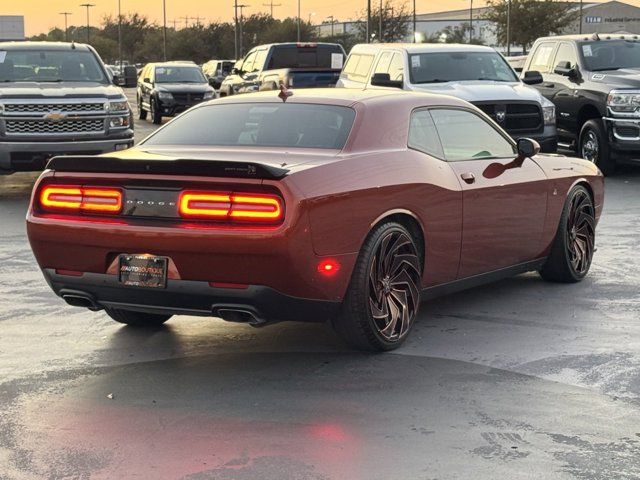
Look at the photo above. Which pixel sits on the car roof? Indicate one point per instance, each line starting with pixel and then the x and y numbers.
pixel 345 97
pixel 421 47
pixel 43 46
pixel 591 37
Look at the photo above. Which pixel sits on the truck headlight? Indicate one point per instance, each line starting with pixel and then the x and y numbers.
pixel 549 114
pixel 623 101
pixel 119 122
pixel 119 106
pixel 165 96
pixel 208 95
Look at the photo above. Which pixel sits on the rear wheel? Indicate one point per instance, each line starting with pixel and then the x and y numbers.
pixel 156 115
pixel 137 319
pixel 594 146
pixel 573 247
pixel 383 297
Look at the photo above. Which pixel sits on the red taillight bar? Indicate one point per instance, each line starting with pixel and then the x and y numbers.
pixel 248 207
pixel 74 198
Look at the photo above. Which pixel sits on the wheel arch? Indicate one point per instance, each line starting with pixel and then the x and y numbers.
pixel 586 113
pixel 410 221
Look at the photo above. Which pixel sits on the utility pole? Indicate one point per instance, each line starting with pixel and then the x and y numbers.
pixel 88 6
pixel 120 34
pixel 241 7
pixel 414 21
pixel 164 29
pixel 332 23
pixel 298 20
pixel 175 23
pixel 580 27
pixel 235 30
pixel 380 23
pixel 368 21
pixel 271 5
pixel 470 21
pixel 186 21
pixel 66 28
pixel 197 19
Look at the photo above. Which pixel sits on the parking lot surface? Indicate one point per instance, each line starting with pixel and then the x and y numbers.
pixel 519 379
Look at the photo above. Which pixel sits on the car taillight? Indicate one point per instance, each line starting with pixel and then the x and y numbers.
pixel 81 199
pixel 242 207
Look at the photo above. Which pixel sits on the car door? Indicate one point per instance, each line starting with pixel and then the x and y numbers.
pixel 146 85
pixel 565 90
pixel 504 206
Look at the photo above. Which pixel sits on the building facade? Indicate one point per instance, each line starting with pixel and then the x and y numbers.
pixel 11 27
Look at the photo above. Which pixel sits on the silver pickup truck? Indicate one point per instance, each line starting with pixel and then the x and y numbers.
pixel 58 98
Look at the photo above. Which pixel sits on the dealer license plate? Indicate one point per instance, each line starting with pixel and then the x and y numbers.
pixel 139 270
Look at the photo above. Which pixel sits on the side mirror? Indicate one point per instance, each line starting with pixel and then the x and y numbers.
pixel 532 77
pixel 115 80
pixel 146 80
pixel 236 71
pixel 566 70
pixel 384 80
pixel 527 147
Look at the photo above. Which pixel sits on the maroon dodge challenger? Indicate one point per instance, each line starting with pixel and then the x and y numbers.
pixel 311 205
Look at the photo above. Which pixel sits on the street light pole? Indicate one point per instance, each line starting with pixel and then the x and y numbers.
pixel 298 20
pixel 470 21
pixel 235 30
pixel 508 28
pixel 120 34
pixel 380 22
pixel 414 21
pixel 580 27
pixel 88 6
pixel 66 27
pixel 368 29
pixel 241 7
pixel 164 28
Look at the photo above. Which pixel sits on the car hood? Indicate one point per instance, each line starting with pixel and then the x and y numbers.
pixel 59 90
pixel 482 91
pixel 624 78
pixel 183 87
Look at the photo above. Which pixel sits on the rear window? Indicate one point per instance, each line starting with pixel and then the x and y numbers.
pixel 292 56
pixel 287 125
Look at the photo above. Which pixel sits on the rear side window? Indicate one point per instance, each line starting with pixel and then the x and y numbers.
pixel 364 65
pixel 260 125
pixel 423 135
pixel 466 136
pixel 541 60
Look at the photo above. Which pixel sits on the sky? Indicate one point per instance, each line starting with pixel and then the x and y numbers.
pixel 42 15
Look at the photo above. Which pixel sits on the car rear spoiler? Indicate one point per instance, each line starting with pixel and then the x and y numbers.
pixel 204 168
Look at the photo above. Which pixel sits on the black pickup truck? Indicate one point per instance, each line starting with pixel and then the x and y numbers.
pixel 594 81
pixel 296 65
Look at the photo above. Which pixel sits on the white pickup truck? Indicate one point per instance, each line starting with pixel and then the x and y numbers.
pixel 474 73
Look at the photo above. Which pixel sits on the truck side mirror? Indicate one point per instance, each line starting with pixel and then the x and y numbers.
pixel 532 77
pixel 566 70
pixel 384 80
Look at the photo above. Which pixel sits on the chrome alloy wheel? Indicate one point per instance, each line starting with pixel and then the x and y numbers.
pixel 580 232
pixel 590 146
pixel 394 285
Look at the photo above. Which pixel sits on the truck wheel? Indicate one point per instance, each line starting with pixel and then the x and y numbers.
pixel 594 146
pixel 383 297
pixel 142 113
pixel 156 115
pixel 573 246
pixel 136 319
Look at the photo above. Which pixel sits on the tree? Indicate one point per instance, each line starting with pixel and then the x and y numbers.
pixel 456 35
pixel 395 22
pixel 529 19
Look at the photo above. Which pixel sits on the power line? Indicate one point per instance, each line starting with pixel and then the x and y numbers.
pixel 271 5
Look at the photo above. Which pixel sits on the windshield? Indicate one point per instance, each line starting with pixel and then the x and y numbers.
pixel 610 55
pixel 179 75
pixel 260 125
pixel 50 66
pixel 458 66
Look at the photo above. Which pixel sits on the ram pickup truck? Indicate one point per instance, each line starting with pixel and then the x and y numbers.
pixel 474 73
pixel 58 98
pixel 294 65
pixel 594 81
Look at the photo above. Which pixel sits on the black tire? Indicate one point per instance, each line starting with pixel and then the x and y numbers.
pixel 593 145
pixel 388 253
pixel 156 115
pixel 137 319
pixel 574 244
pixel 142 113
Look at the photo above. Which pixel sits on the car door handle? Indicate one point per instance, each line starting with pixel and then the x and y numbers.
pixel 549 85
pixel 468 177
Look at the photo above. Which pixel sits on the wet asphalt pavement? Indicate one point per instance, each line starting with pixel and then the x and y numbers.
pixel 516 380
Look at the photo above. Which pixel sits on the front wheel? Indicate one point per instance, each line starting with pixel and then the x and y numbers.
pixel 594 146
pixel 142 113
pixel 574 244
pixel 137 319
pixel 156 115
pixel 383 297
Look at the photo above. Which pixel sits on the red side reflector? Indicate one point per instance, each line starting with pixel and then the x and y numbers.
pixel 69 273
pixel 77 198
pixel 235 286
pixel 248 207
pixel 328 268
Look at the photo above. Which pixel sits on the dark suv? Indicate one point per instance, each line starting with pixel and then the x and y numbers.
pixel 594 81
pixel 166 89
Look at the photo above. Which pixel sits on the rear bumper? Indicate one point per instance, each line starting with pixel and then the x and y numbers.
pixel 33 156
pixel 260 304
